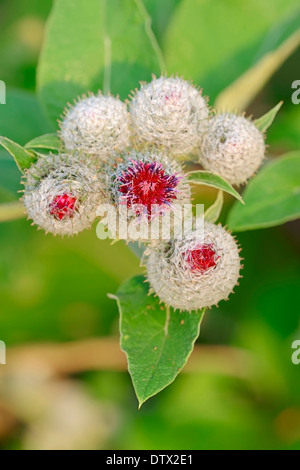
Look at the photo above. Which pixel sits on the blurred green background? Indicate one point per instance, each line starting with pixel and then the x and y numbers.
pixel 55 290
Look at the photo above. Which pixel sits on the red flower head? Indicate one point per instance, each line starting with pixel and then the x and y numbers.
pixel 145 184
pixel 63 206
pixel 201 258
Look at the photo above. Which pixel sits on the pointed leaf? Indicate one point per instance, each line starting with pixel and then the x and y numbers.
pixel 271 198
pixel 210 179
pixel 23 158
pixel 156 340
pixel 47 141
pixel 265 121
pixel 213 212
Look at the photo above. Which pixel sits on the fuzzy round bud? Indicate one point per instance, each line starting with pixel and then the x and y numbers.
pixel 96 125
pixel 233 148
pixel 169 112
pixel 148 184
pixel 196 271
pixel 62 194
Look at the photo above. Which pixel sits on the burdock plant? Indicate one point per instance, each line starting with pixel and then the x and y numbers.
pixel 144 152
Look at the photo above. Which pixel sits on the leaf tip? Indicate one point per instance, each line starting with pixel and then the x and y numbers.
pixel 112 296
pixel 141 402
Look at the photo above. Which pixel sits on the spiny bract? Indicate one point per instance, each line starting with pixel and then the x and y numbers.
pixel 196 271
pixel 169 112
pixel 96 125
pixel 62 193
pixel 232 147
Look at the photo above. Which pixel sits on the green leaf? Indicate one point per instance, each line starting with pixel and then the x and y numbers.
pixel 95 44
pixel 47 141
pixel 215 42
pixel 156 340
pixel 284 133
pixel 242 91
pixel 22 118
pixel 9 176
pixel 265 121
pixel 210 179
pixel 271 198
pixel 133 54
pixel 161 15
pixel 23 158
pixel 213 212
pixel 71 60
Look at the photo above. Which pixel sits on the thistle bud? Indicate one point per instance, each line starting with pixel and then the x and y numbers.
pixel 232 147
pixel 62 193
pixel 169 112
pixel 96 125
pixel 196 271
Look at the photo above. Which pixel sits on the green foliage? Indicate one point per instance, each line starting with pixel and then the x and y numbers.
pixel 55 290
pixel 21 25
pixel 284 134
pixel 238 95
pixel 71 60
pixel 23 158
pixel 161 16
pixel 271 198
pixel 90 46
pixel 9 177
pixel 214 56
pixel 210 179
pixel 22 118
pixel 47 141
pixel 265 121
pixel 213 212
pixel 157 340
pixel 135 54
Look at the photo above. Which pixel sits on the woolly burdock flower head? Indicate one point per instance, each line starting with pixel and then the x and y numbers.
pixel 149 185
pixel 196 271
pixel 232 147
pixel 96 125
pixel 62 193
pixel 169 112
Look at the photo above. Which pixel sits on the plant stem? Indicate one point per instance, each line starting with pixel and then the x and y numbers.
pixel 11 211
